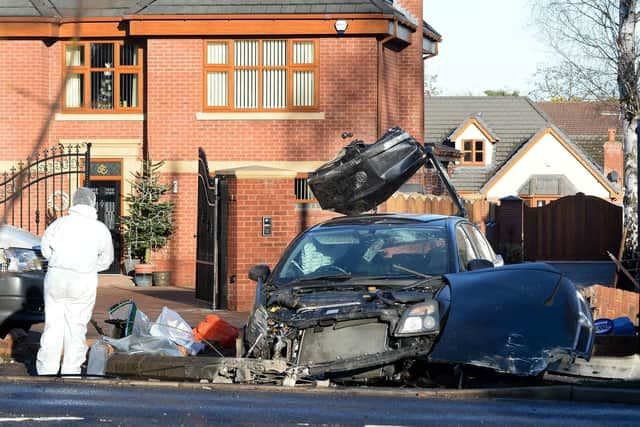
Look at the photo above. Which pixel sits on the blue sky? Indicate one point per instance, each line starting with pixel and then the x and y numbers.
pixel 487 44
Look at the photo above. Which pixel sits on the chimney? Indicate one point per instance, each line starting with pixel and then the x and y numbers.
pixel 613 157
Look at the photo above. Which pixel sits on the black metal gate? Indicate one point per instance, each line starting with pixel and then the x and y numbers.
pixel 40 189
pixel 212 236
pixel 108 207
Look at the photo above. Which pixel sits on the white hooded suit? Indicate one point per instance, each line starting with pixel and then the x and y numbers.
pixel 77 247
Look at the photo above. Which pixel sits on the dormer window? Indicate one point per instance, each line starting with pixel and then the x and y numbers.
pixel 472 152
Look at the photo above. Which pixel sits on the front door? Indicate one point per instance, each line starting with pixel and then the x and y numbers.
pixel 108 207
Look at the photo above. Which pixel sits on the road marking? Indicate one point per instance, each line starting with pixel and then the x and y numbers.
pixel 380 425
pixel 20 419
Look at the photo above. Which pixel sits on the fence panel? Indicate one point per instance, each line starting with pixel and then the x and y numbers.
pixel 478 210
pixel 572 228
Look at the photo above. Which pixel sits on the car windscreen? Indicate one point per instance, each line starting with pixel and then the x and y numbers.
pixel 371 250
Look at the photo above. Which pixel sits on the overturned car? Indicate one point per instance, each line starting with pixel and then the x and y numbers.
pixel 408 298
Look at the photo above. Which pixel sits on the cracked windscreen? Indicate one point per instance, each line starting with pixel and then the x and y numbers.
pixel 372 250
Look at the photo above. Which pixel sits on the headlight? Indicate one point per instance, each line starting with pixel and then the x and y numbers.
pixel 19 259
pixel 421 318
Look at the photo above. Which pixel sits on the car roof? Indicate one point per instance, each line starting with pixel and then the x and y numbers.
pixel 389 218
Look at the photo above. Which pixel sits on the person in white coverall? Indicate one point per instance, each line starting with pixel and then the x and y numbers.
pixel 77 247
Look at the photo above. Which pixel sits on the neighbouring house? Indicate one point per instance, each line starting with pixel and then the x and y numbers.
pixel 593 126
pixel 265 87
pixel 509 147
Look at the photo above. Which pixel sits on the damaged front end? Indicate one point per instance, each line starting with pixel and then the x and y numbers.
pixel 517 320
pixel 520 319
pixel 357 333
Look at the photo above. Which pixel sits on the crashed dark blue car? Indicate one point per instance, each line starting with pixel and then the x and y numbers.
pixel 407 297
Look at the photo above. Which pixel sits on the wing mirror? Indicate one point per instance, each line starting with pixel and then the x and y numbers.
pixel 478 264
pixel 499 262
pixel 260 271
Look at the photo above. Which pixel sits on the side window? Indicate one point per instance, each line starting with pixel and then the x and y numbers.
pixel 465 249
pixel 480 243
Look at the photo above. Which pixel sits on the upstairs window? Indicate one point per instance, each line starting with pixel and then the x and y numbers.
pixel 261 75
pixel 102 77
pixel 473 152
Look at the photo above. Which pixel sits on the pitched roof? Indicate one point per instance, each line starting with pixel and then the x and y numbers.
pixel 587 123
pixel 478 122
pixel 515 121
pixel 546 185
pixel 512 119
pixel 563 139
pixel 103 8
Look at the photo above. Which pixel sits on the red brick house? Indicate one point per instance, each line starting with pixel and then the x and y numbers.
pixel 264 87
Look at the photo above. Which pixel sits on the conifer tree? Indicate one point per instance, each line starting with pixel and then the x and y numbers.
pixel 149 224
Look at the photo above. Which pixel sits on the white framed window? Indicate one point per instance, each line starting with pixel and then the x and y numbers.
pixel 261 75
pixel 102 77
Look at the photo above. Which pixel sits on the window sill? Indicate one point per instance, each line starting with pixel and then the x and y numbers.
pixel 261 116
pixel 65 117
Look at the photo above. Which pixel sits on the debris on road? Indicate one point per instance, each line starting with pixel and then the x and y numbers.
pixel 217 330
pixel 132 332
pixel 625 368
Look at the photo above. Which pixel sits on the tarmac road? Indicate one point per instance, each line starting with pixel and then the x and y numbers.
pixel 89 403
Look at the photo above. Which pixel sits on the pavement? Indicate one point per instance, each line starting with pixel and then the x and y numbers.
pixel 115 288
pixel 111 290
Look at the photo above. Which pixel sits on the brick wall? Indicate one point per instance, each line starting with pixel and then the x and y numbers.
pixel 611 303
pixel 179 255
pixel 30 84
pixel 175 94
pixel 24 96
pixel 250 200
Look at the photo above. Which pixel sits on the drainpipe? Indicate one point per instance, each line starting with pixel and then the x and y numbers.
pixel 379 94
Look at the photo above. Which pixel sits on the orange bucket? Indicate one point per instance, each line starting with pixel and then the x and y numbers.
pixel 216 329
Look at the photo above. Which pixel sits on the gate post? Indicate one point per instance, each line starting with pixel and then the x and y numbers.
pixel 87 166
pixel 510 219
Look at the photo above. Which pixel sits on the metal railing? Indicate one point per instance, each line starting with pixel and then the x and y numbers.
pixel 43 184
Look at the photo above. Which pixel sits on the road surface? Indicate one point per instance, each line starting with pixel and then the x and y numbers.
pixel 83 403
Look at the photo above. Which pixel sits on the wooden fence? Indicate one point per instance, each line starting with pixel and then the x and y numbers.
pixel 478 211
pixel 572 228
